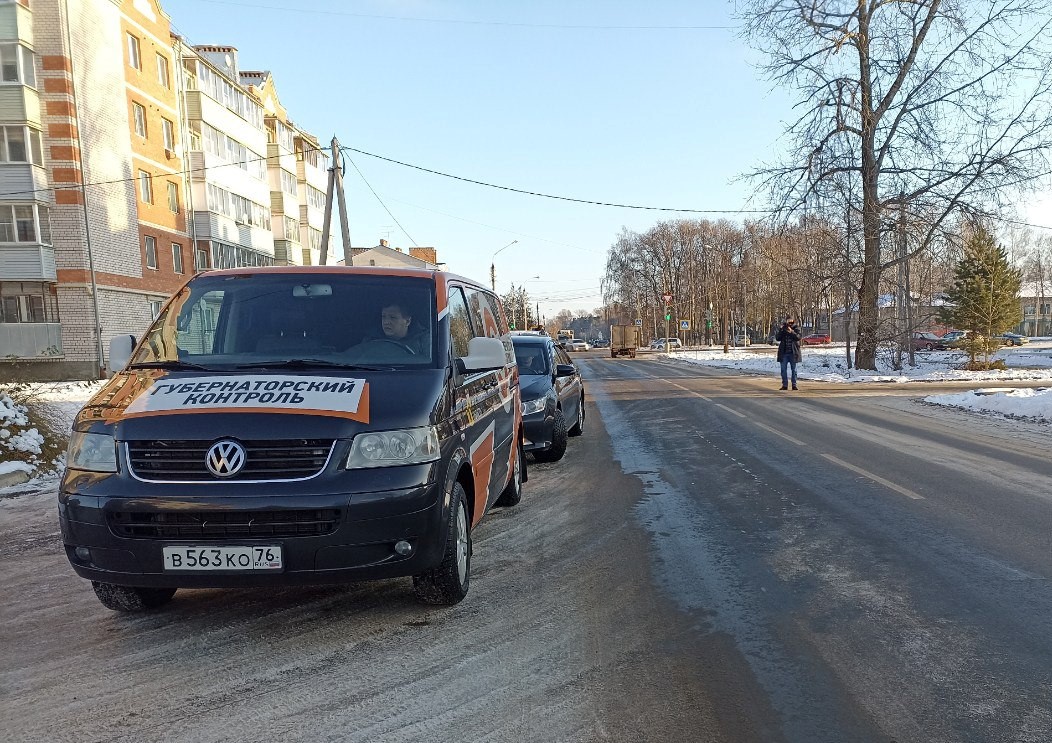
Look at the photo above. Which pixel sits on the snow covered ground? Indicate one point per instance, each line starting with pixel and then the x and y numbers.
pixel 1032 362
pixel 59 402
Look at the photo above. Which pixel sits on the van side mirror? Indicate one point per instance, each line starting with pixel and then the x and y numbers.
pixel 484 354
pixel 121 347
pixel 565 370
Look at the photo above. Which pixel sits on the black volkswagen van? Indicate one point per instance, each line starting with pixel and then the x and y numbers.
pixel 294 425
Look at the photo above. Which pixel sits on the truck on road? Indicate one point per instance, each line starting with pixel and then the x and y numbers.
pixel 624 340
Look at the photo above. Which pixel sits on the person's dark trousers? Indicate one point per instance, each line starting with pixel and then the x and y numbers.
pixel 785 376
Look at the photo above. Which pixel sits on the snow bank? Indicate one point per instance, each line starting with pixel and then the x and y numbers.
pixel 829 364
pixel 1025 403
pixel 39 408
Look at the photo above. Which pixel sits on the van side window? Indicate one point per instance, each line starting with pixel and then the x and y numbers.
pixel 485 313
pixel 459 323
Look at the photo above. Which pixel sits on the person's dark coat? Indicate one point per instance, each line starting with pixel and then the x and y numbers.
pixel 788 338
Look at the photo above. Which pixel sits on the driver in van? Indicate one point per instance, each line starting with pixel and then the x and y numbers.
pixel 397 324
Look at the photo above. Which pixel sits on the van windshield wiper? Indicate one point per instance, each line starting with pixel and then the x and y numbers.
pixel 171 364
pixel 311 363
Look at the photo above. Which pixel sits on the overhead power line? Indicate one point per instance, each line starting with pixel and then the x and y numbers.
pixel 133 179
pixel 355 166
pixel 559 198
pixel 468 22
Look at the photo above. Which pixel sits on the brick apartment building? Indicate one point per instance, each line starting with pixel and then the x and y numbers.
pixel 128 160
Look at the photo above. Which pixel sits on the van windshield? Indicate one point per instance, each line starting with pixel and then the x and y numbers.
pixel 269 319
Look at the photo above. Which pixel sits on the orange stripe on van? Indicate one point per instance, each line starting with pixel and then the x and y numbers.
pixel 482 469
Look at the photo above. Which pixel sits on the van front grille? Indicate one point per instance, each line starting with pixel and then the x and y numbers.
pixel 172 460
pixel 206 525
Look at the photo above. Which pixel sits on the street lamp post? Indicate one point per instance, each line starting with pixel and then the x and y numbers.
pixel 523 302
pixel 493 266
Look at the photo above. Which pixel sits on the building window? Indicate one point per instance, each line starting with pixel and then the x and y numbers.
pixel 145 187
pixel 20 144
pixel 151 252
pixel 177 257
pixel 16 65
pixel 139 117
pixel 292 229
pixel 173 197
pixel 162 71
pixel 25 223
pixel 155 307
pixel 235 256
pixel 27 302
pixel 288 183
pixel 168 132
pixel 134 58
pixel 200 259
pixel 315 198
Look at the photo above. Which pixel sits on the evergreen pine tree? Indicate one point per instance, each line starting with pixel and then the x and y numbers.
pixel 984 298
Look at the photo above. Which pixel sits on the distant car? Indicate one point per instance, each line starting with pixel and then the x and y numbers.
pixel 662 344
pixel 927 342
pixel 576 344
pixel 741 340
pixel 1012 339
pixel 600 343
pixel 552 394
pixel 815 339
pixel 954 338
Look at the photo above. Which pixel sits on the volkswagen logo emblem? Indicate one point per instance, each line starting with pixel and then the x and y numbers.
pixel 225 458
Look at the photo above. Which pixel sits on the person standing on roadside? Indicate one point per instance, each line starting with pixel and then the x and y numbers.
pixel 788 338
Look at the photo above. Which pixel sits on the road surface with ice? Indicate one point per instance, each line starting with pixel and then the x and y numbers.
pixel 713 560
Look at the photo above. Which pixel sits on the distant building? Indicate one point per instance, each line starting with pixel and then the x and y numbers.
pixel 384 255
pixel 1036 300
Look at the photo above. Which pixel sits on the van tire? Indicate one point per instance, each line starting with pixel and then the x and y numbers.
pixel 578 427
pixel 131 599
pixel 513 491
pixel 554 452
pixel 447 583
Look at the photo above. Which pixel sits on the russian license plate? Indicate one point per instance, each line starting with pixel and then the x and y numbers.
pixel 241 559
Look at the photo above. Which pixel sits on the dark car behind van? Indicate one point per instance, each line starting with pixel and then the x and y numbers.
pixel 552 396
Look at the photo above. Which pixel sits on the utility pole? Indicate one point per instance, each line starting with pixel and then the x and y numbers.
pixel 335 187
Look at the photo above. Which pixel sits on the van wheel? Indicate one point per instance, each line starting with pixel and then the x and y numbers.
pixel 578 427
pixel 513 491
pixel 554 452
pixel 131 599
pixel 447 583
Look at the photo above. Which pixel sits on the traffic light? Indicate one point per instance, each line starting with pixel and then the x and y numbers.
pixel 668 316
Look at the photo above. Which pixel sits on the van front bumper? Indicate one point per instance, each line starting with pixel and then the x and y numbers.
pixel 351 537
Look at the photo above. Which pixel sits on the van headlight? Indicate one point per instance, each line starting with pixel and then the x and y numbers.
pixel 394 448
pixel 95 452
pixel 534 406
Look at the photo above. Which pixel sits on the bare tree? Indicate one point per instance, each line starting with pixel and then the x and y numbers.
pixel 940 108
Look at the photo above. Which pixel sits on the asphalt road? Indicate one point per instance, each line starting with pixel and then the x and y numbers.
pixel 714 560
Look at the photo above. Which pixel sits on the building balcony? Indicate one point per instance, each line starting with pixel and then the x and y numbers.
pixel 27 262
pixel 20 104
pixel 30 340
pixel 24 182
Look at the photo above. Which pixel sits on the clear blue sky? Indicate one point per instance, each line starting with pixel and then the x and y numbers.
pixel 541 95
